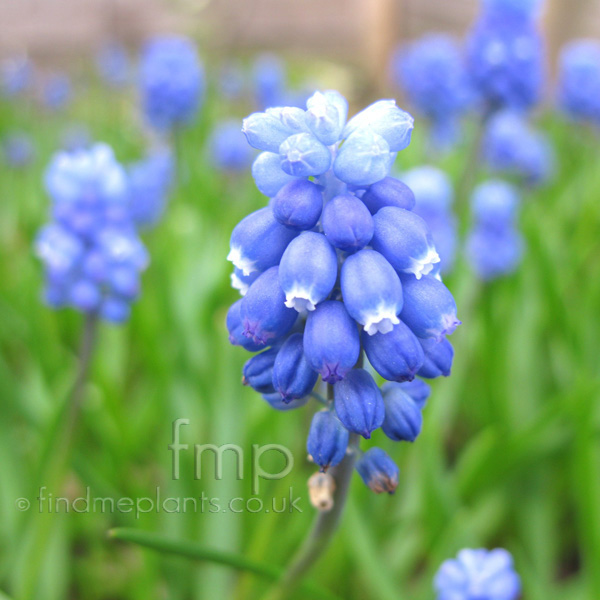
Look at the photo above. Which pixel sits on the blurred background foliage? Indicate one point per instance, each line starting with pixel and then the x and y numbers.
pixel 510 451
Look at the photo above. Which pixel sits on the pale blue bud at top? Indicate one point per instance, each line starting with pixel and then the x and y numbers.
pixel 258 241
pixel 429 307
pixel 258 371
pixel 372 291
pixel 268 130
pixel 293 377
pixel 235 327
pixel 438 358
pixel 308 271
pixel 265 317
pixel 326 115
pixel 418 390
pixel 242 282
pixel 478 575
pixel 403 418
pixel 404 239
pixel 384 118
pixel 363 159
pixel 267 173
pixel 579 80
pixel 276 401
pixel 379 472
pixel 388 192
pixel 494 252
pixel 347 223
pixel 298 204
pixel 303 155
pixel 494 204
pixel 397 355
pixel 358 403
pixel 327 439
pixel 331 341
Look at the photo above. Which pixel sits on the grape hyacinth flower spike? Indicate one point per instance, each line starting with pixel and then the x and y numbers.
pixel 478 575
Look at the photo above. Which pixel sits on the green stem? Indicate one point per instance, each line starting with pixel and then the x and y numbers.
pixel 195 551
pixel 324 527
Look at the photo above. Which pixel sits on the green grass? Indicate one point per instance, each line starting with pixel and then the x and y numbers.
pixel 509 455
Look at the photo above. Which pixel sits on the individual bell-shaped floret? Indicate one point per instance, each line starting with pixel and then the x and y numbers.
pixel 331 341
pixel 404 239
pixel 385 119
pixel 494 204
pixel 267 174
pixel 258 241
pixel 397 355
pixel 494 252
pixel 276 401
pixel 372 291
pixel 308 271
pixel 438 358
pixel 265 317
pixel 115 309
pixel 418 390
pixel 327 439
pixel 379 472
pixel 298 204
pixel 388 192
pixel 84 295
pixel 347 223
pixel 358 403
pixel 242 282
pixel 258 371
pixel 268 130
pixel 363 158
pixel 235 327
pixel 293 377
pixel 326 115
pixel 429 307
pixel 403 417
pixel 303 155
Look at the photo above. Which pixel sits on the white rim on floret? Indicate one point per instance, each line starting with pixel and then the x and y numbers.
pixel 424 266
pixel 245 265
pixel 381 321
pixel 301 299
pixel 239 284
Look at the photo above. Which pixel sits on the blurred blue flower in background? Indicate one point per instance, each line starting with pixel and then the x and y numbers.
pixel 57 91
pixel 91 251
pixel 494 246
pixel 113 64
pixel 150 180
pixel 232 81
pixel 270 81
pixel 171 81
pixel 318 265
pixel 18 149
pixel 579 80
pixel 478 575
pixel 229 150
pixel 17 75
pixel 432 73
pixel 506 55
pixel 510 145
pixel 434 197
pixel 75 137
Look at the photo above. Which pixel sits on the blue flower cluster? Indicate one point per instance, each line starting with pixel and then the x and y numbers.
pixel 506 54
pixel 171 82
pixel 150 180
pixel 18 150
pixel 478 575
pixel 339 264
pixel 434 198
pixel 432 72
pixel 17 76
pixel 510 145
pixel 113 64
pixel 494 245
pixel 229 150
pixel 579 80
pixel 91 251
